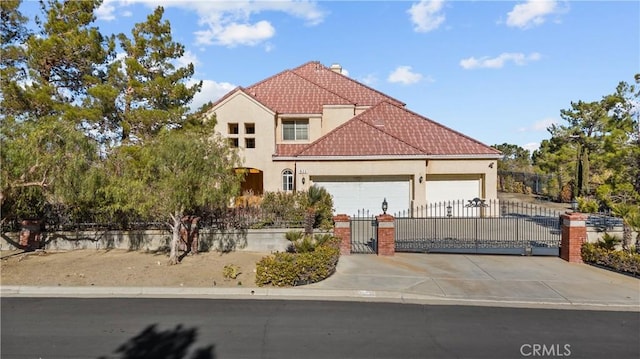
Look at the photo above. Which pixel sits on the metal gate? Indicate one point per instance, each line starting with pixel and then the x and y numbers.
pixel 364 233
pixel 494 227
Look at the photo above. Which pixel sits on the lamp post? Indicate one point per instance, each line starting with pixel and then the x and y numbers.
pixel 574 204
pixel 385 206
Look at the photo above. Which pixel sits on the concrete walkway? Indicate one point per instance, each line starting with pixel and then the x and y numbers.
pixel 514 281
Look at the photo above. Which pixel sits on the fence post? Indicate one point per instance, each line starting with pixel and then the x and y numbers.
pixel 386 235
pixel 342 230
pixel 574 234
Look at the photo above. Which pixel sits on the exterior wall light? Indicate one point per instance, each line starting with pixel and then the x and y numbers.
pixel 303 180
pixel 385 206
pixel 574 204
pixel 421 178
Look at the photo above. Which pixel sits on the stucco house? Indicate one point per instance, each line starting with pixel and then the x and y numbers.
pixel 312 125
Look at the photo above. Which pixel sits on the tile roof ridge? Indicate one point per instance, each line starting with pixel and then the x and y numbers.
pixel 379 127
pixel 323 88
pixel 325 68
pixel 357 119
pixel 247 90
pixel 446 127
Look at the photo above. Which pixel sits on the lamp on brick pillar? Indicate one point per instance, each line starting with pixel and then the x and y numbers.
pixel 385 206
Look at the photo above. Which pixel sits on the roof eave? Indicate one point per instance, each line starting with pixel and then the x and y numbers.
pixel 389 157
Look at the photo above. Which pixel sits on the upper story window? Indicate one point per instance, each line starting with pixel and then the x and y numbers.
pixel 233 128
pixel 287 180
pixel 249 143
pixel 233 142
pixel 294 130
pixel 250 128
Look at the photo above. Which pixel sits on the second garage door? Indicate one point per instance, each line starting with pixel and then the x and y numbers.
pixel 456 192
pixel 353 196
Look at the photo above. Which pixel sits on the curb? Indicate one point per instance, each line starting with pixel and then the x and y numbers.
pixel 296 294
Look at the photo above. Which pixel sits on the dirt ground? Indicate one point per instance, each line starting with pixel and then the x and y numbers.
pixel 125 268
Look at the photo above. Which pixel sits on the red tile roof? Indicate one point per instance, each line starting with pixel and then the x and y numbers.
pixel 346 87
pixel 387 129
pixel 290 93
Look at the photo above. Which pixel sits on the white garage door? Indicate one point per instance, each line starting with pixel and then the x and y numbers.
pixel 444 192
pixel 355 197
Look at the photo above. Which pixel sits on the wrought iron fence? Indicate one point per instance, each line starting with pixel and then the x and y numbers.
pixel 364 232
pixel 217 219
pixel 524 182
pixel 478 226
pixel 477 208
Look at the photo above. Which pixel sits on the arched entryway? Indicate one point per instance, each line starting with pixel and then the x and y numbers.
pixel 253 181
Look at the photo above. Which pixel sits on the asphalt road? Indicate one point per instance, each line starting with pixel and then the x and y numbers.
pixel 201 328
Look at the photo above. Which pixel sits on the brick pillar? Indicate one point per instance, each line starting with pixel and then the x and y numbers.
pixel 386 235
pixel 574 234
pixel 30 235
pixel 342 230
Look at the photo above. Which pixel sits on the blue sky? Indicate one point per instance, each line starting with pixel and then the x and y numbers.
pixel 498 71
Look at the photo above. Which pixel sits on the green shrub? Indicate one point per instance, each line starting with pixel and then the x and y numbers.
pixel 285 269
pixel 231 271
pixel 620 261
pixel 293 236
pixel 608 242
pixel 588 205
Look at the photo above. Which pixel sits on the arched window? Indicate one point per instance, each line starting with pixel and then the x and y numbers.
pixel 287 180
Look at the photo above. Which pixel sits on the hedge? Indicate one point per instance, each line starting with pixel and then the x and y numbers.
pixel 620 261
pixel 284 269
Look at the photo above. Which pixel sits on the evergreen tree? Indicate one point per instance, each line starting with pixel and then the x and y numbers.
pixel 154 94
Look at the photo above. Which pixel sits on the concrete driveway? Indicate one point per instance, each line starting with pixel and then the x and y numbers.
pixel 538 281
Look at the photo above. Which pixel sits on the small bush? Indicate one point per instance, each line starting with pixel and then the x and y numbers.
pixel 620 261
pixel 588 205
pixel 608 242
pixel 231 271
pixel 284 269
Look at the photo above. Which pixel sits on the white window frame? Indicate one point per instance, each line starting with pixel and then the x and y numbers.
pixel 300 130
pixel 287 180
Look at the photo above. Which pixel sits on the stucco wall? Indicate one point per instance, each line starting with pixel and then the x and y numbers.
pixel 240 108
pixel 263 240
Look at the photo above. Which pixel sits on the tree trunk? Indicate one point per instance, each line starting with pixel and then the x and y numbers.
pixel 309 221
pixel 626 236
pixel 175 237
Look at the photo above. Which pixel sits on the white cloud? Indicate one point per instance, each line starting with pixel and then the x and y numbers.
pixel 188 58
pixel 230 23
pixel 499 61
pixel 531 146
pixel 106 11
pixel 369 80
pixel 426 15
pixel 540 125
pixel 211 91
pixel 235 34
pixel 531 13
pixel 404 75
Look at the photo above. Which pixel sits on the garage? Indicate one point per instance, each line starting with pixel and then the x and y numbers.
pixel 440 190
pixel 353 195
